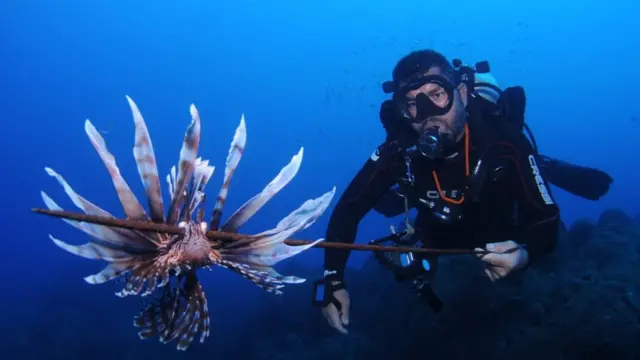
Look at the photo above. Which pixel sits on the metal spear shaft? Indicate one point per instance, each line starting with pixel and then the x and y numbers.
pixel 227 236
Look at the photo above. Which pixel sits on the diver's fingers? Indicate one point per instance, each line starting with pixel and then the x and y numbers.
pixel 335 321
pixel 325 313
pixel 491 272
pixel 332 316
pixel 480 252
pixel 497 260
pixel 498 272
pixel 491 258
pixel 343 297
pixel 344 317
pixel 484 254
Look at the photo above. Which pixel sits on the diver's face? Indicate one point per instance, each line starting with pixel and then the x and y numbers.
pixel 451 123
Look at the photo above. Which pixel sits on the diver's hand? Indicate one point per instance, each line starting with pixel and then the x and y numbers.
pixel 501 262
pixel 338 319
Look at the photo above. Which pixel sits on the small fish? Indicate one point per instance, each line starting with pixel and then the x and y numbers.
pixel 166 265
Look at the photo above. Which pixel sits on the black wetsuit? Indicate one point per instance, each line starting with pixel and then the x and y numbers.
pixel 514 202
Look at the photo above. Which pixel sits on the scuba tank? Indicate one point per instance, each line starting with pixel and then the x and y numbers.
pixel 508 106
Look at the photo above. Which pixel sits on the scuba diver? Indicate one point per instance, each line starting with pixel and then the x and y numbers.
pixel 587 183
pixel 455 152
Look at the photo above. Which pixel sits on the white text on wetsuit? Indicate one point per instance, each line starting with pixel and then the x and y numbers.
pixel 542 188
pixel 434 194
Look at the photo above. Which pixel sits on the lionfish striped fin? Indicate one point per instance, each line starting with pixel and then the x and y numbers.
pixel 112 270
pixel 132 208
pixel 178 315
pixel 301 218
pixel 308 212
pixel 248 209
pixel 171 180
pixel 119 237
pixel 194 319
pixel 261 243
pixel 147 276
pixel 156 319
pixel 254 257
pixel 146 162
pixel 233 158
pixel 93 251
pixel 186 165
pixel 100 234
pixel 268 254
pixel 271 272
pixel 87 228
pixel 198 173
pixel 267 251
pixel 259 278
pixel 201 176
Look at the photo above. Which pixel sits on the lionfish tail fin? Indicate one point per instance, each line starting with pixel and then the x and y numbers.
pixel 179 314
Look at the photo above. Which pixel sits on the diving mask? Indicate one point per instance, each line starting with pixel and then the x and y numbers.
pixel 437 100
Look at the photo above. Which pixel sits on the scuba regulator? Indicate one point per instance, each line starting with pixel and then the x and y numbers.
pixel 432 144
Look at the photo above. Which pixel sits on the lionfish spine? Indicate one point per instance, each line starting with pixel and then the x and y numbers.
pixel 146 162
pixel 130 203
pixel 188 155
pixel 253 205
pixel 233 158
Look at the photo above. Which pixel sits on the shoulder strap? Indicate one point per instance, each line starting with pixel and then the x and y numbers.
pixel 484 126
pixel 504 119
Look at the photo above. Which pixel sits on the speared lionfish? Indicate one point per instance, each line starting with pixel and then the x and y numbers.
pixel 167 263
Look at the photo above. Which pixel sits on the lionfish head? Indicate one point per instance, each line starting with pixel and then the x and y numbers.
pixel 194 247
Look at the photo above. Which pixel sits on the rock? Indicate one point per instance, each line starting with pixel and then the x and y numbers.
pixel 614 220
pixel 580 232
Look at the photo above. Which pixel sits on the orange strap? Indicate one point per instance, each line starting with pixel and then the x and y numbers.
pixel 467 171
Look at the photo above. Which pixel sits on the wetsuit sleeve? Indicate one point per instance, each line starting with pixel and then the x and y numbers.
pixel 539 214
pixel 371 182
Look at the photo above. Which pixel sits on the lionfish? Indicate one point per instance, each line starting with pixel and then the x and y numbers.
pixel 165 264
